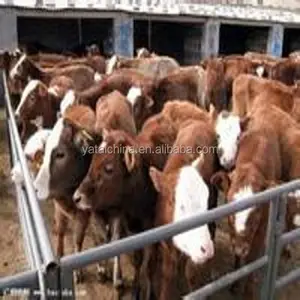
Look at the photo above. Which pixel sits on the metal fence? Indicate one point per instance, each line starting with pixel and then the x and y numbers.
pixel 48 276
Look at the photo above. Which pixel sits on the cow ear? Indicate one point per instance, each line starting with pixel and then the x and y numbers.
pixel 244 123
pixel 38 122
pixel 6 60
pixel 42 90
pixel 156 177
pixel 149 102
pixel 130 158
pixel 82 140
pixel 38 156
pixel 213 114
pixel 221 180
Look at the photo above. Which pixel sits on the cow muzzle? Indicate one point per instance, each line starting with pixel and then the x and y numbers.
pixel 242 250
pixel 81 200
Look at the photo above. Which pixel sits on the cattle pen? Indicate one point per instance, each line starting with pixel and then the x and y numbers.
pixel 49 277
pixel 188 30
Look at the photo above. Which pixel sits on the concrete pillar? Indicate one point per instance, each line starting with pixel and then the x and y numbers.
pixel 210 38
pixel 8 30
pixel 275 40
pixel 123 35
pixel 8 39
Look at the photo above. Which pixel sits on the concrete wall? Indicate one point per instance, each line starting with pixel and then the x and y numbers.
pixel 192 45
pixel 8 34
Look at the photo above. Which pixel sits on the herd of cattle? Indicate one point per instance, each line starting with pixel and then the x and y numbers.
pixel 245 107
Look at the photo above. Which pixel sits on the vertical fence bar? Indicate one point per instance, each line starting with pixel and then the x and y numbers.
pixel 67 285
pixel 274 261
pixel 273 211
pixel 273 247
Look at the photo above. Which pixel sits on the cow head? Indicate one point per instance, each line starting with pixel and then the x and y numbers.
pixel 21 69
pixel 7 60
pixel 142 53
pixel 187 193
pixel 66 158
pixel 33 100
pixel 142 105
pixel 112 64
pixel 238 185
pixel 59 86
pixel 113 170
pixel 228 129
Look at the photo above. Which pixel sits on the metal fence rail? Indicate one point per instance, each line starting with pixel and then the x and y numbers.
pixel 46 272
pixel 42 261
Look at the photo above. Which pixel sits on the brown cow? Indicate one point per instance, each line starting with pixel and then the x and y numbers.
pixel 155 67
pixel 83 76
pixel 122 80
pixel 185 84
pixel 286 71
pixel 35 103
pixel 184 189
pixel 257 167
pixel 96 62
pixel 159 131
pixel 221 73
pixel 59 86
pixel 115 111
pixel 118 184
pixel 64 165
pixel 250 91
pixel 281 134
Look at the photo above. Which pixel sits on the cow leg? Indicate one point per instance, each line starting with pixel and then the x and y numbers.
pixel 145 287
pixel 137 260
pixel 81 224
pixel 61 224
pixel 251 281
pixel 169 267
pixel 189 271
pixel 117 272
pixel 236 285
pixel 100 236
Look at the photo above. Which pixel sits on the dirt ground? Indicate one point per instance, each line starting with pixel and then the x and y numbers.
pixel 13 260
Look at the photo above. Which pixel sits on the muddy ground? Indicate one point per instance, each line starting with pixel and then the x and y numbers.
pixel 13 260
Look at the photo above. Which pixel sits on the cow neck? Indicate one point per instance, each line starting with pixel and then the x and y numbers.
pixel 142 196
pixel 50 113
pixel 37 73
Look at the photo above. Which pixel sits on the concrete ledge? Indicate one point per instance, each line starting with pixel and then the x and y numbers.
pixel 242 12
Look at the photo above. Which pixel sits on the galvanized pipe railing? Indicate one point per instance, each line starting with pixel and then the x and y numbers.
pixel 44 268
pixel 49 259
pixel 31 246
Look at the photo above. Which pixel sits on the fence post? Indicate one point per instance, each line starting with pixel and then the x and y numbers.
pixel 67 284
pixel 273 246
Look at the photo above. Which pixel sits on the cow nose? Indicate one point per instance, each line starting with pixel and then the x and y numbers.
pixel 241 250
pixel 77 197
pixel 220 151
pixel 203 250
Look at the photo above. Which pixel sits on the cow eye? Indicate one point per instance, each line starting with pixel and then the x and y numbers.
pixel 59 154
pixel 108 168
